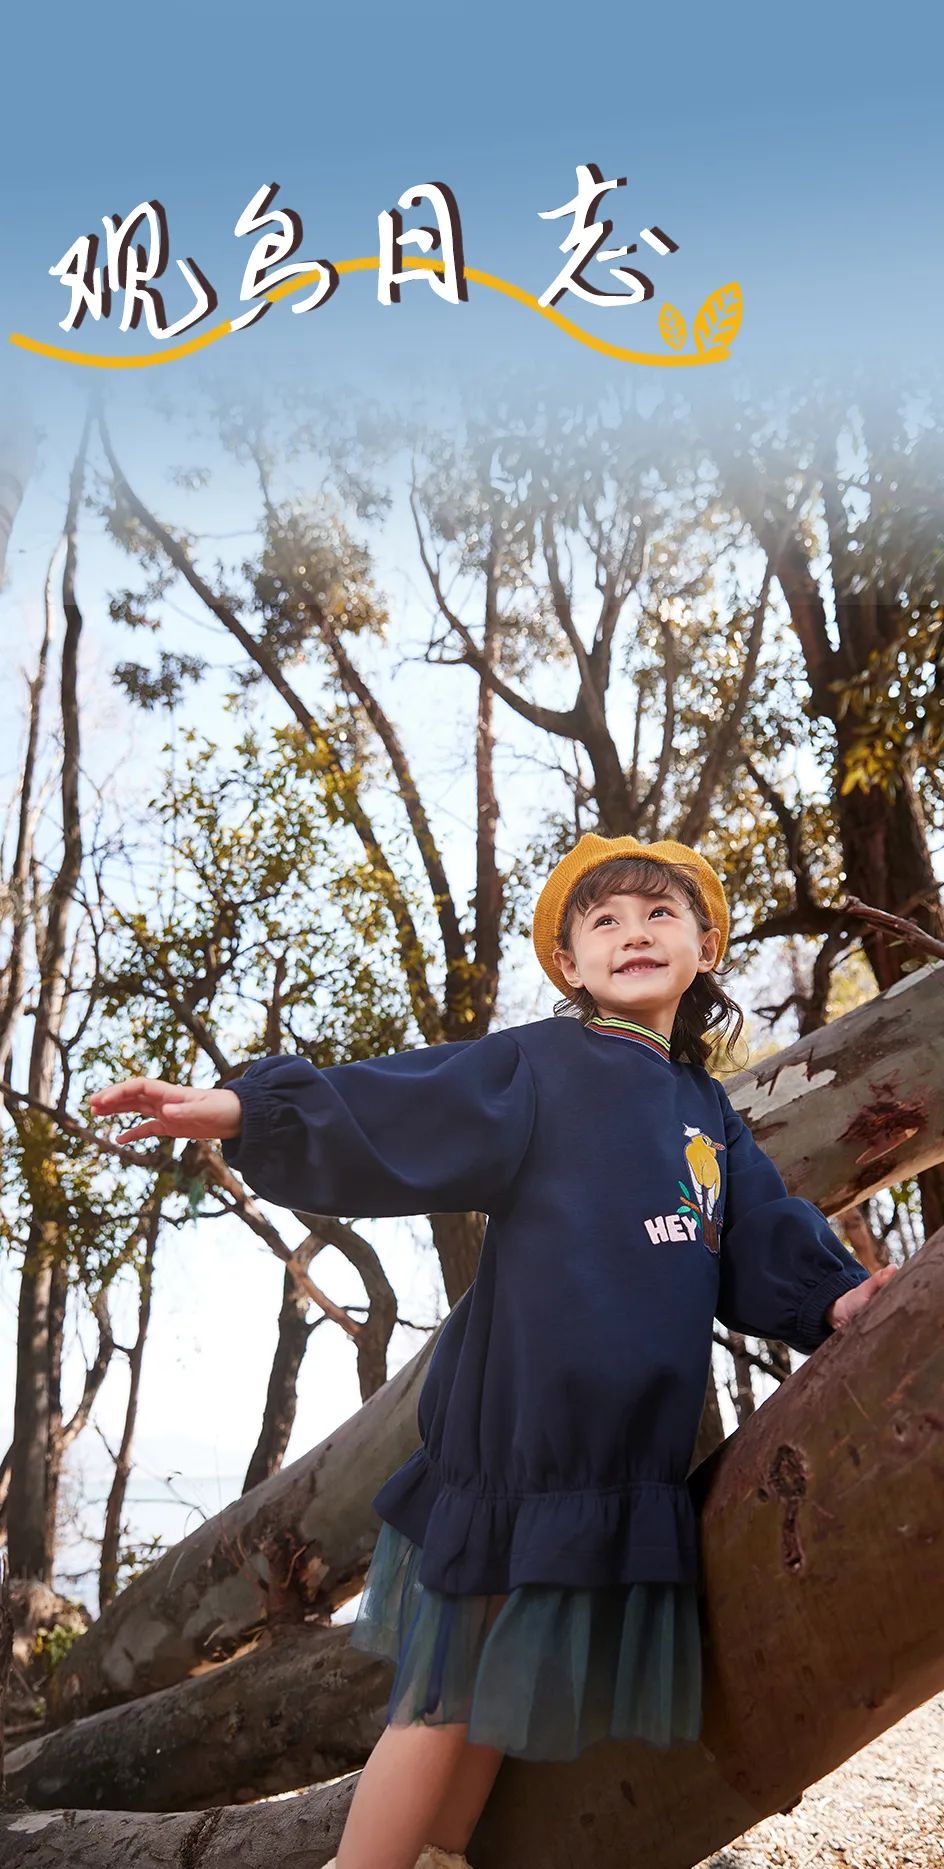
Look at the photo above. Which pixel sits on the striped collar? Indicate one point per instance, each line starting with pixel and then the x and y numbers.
pixel 615 1025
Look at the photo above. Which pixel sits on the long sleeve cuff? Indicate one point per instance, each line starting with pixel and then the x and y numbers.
pixel 258 1108
pixel 812 1327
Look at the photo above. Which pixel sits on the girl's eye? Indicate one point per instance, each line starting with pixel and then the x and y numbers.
pixel 660 909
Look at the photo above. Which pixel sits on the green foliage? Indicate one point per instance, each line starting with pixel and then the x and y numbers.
pixel 164 688
pixel 896 703
pixel 256 879
pixel 310 573
pixel 52 1645
pixel 58 1196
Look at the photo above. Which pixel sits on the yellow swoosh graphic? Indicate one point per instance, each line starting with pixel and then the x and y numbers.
pixel 660 359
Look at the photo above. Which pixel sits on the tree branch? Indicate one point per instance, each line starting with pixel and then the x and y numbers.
pixel 549 719
pixel 723 742
pixel 410 946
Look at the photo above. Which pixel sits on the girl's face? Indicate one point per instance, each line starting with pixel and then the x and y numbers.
pixel 637 955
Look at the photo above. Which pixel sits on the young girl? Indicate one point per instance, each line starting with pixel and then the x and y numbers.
pixel 536 1576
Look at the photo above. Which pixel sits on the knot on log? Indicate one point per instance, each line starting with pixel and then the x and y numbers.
pixel 294 1574
pixel 195 1843
pixel 786 1480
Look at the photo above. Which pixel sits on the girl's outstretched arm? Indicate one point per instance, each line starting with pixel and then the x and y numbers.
pixel 442 1129
pixel 782 1266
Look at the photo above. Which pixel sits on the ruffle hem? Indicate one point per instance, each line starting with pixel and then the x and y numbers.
pixel 472 1541
pixel 550 1672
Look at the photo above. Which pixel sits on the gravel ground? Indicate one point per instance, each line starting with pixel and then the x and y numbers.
pixel 882 1809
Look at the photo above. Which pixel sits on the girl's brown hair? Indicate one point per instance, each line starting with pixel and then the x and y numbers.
pixel 704 1005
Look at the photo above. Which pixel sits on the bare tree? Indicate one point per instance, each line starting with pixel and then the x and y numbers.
pixel 37 1433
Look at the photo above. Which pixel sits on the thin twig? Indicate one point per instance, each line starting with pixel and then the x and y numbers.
pixel 898 924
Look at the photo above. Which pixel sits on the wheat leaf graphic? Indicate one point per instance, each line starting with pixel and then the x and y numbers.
pixel 672 326
pixel 719 320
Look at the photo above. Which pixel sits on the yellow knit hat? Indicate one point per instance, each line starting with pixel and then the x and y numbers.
pixel 587 855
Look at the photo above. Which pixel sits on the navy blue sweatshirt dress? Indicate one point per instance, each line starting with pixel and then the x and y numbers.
pixel 537 1568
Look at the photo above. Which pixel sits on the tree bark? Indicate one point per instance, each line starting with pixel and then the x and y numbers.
pixel 278 1415
pixel 300 1707
pixel 111 1533
pixel 844 1112
pixel 6 1659
pixel 859 1104
pixel 297 1834
pixel 16 884
pixel 822 1517
pixel 458 1239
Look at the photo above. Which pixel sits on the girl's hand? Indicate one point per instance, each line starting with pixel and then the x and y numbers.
pixel 170 1109
pixel 850 1302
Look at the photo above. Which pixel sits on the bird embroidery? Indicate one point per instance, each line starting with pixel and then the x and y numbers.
pixel 701 1154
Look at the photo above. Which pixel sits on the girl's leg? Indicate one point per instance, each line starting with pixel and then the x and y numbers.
pixel 399 1795
pixel 471 1783
pixel 466 1797
pixel 421 1784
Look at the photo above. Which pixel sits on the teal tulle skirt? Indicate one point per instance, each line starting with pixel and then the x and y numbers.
pixel 549 1672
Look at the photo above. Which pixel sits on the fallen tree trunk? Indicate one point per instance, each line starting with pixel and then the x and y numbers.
pixel 843 1112
pixel 201 1600
pixel 858 1104
pixel 823 1530
pixel 297 1834
pixel 301 1707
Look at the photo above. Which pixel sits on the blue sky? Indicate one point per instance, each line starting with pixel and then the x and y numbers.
pixel 790 149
